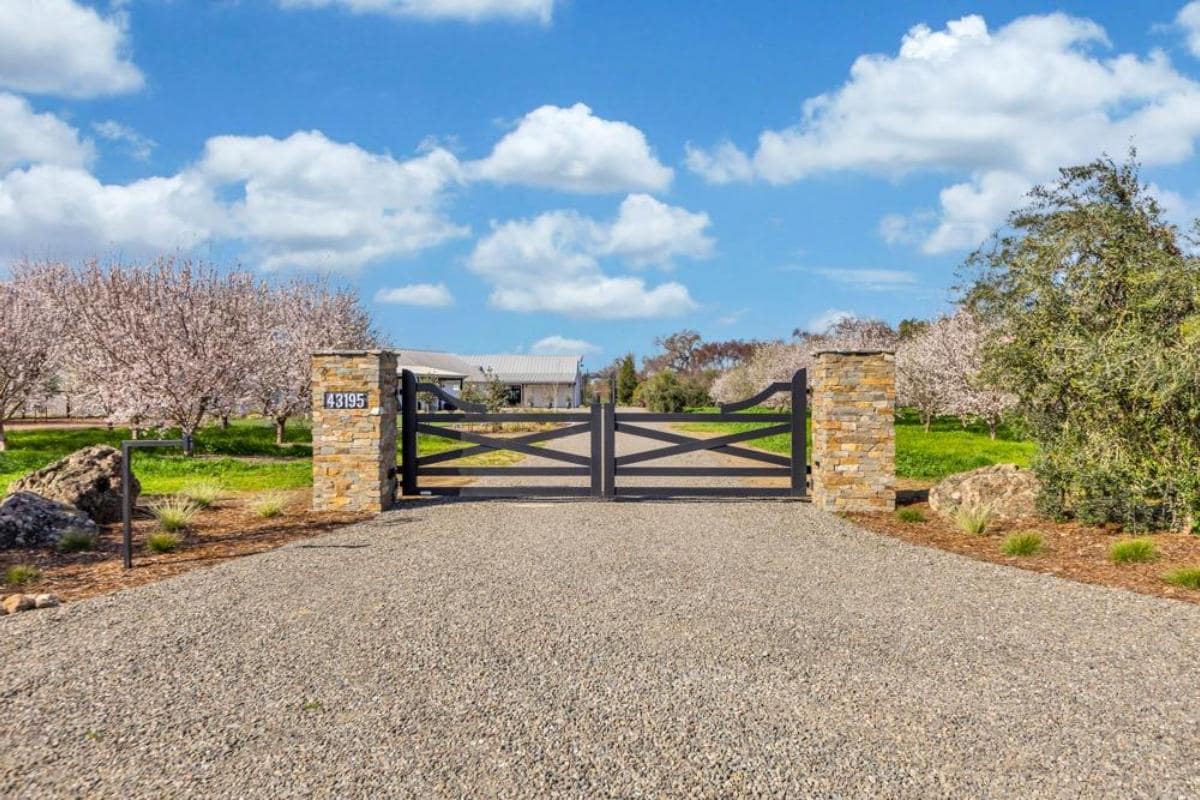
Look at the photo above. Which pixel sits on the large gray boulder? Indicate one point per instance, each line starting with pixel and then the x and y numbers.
pixel 1010 491
pixel 89 479
pixel 30 520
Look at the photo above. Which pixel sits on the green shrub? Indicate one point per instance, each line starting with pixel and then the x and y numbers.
pixel 21 574
pixel 1133 551
pixel 202 493
pixel 162 542
pixel 973 521
pixel 174 514
pixel 76 540
pixel 1108 391
pixel 1188 577
pixel 909 515
pixel 1023 544
pixel 269 505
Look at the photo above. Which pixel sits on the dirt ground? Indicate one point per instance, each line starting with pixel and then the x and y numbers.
pixel 229 529
pixel 1076 552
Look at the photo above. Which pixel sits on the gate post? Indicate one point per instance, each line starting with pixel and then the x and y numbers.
pixel 800 433
pixel 353 430
pixel 854 440
pixel 408 433
pixel 610 450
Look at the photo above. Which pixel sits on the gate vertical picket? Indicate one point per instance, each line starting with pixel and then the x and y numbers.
pixel 609 454
pixel 597 462
pixel 408 433
pixel 800 433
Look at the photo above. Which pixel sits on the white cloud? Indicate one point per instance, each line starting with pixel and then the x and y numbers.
pixel 136 145
pixel 572 150
pixel 822 322
pixel 466 10
pixel 28 138
pixel 561 346
pixel 313 203
pixel 1189 20
pixel 304 201
pixel 972 210
pixel 876 280
pixel 64 48
pixel 725 163
pixel 1002 108
pixel 648 231
pixel 433 295
pixel 553 261
pixel 50 211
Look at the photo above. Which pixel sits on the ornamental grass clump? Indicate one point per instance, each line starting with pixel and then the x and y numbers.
pixel 1187 577
pixel 162 542
pixel 973 521
pixel 1133 551
pixel 76 540
pixel 1028 543
pixel 269 505
pixel 21 574
pixel 910 515
pixel 203 494
pixel 174 514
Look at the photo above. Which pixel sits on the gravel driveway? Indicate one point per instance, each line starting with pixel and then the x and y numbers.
pixel 588 649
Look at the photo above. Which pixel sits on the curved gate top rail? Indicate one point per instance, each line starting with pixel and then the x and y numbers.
pixel 604 466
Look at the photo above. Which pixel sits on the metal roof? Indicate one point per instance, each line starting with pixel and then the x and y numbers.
pixel 431 362
pixel 511 368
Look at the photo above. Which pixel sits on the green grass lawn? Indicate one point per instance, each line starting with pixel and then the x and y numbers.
pixel 243 457
pixel 947 448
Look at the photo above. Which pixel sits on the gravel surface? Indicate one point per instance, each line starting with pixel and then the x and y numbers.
pixel 584 649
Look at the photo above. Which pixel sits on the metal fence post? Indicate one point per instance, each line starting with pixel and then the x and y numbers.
pixel 408 433
pixel 800 433
pixel 127 448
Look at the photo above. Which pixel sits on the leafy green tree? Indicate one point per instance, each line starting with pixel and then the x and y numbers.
pixel 627 380
pixel 1094 309
pixel 663 392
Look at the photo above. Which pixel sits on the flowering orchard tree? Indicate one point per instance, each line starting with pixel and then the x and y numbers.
pixel 26 352
pixel 305 316
pixel 971 395
pixel 158 344
pixel 771 362
pixel 938 371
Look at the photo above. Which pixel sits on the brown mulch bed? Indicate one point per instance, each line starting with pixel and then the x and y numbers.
pixel 227 530
pixel 1073 551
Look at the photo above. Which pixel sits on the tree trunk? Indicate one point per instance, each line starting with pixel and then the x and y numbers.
pixel 992 428
pixel 280 423
pixel 189 443
pixel 3 437
pixel 926 420
pixel 135 432
pixel 224 422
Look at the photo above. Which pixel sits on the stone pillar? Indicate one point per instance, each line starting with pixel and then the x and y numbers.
pixel 354 430
pixel 853 425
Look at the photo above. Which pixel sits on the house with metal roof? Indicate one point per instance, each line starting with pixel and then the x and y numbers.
pixel 533 381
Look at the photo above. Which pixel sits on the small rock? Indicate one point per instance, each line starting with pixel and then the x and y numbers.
pixel 45 601
pixel 18 602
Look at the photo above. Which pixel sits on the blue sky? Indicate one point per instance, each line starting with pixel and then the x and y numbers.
pixel 579 175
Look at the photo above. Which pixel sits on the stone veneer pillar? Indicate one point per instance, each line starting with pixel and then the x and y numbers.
pixel 354 449
pixel 853 429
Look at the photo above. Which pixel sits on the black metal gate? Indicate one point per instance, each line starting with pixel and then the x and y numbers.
pixel 603 467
